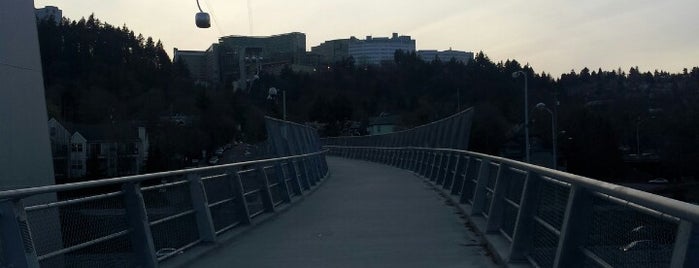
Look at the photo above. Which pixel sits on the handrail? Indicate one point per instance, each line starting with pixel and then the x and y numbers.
pixel 26 192
pixel 660 203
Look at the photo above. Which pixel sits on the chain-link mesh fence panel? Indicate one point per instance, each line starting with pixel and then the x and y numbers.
pixel 76 225
pixel 548 220
pixel 171 215
pixel 116 252
pixel 543 245
pixel 220 194
pixel 626 235
pixel 514 185
pixel 252 187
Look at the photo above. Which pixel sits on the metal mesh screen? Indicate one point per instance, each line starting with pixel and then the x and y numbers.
pixel 548 219
pixel 622 234
pixel 115 252
pixel 543 248
pixel 553 198
pixel 82 224
pixel 513 195
pixel 172 220
pixel 219 193
pixel 252 187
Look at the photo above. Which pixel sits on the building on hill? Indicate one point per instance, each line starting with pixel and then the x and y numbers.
pixel 97 151
pixel 49 13
pixel 332 51
pixel 374 50
pixel 446 55
pixel 236 60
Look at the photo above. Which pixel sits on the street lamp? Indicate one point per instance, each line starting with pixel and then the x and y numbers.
pixel 640 121
pixel 526 111
pixel 554 133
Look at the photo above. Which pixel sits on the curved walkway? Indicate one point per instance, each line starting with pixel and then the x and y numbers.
pixel 365 215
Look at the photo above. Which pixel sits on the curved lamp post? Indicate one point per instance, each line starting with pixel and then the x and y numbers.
pixel 526 111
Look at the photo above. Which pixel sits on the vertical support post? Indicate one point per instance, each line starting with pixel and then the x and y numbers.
pixel 239 192
pixel 497 203
pixel 523 226
pixel 18 247
pixel 574 229
pixel 200 203
pixel 267 200
pixel 460 174
pixel 449 180
pixel 137 217
pixel 686 251
pixel 479 194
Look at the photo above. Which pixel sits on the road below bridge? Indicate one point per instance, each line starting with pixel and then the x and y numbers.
pixel 365 215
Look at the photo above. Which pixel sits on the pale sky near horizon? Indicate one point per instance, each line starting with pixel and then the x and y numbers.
pixel 554 36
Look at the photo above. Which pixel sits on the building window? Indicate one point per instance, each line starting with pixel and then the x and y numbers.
pixel 53 131
pixel 77 147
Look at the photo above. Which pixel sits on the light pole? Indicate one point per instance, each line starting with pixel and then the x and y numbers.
pixel 639 121
pixel 554 133
pixel 526 111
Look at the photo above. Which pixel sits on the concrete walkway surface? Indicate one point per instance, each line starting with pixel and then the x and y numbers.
pixel 365 215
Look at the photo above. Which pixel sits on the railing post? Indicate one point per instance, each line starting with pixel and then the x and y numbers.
pixel 200 203
pixel 239 192
pixel 479 194
pixel 18 247
pixel 686 250
pixel 137 217
pixel 497 202
pixel 522 234
pixel 574 228
pixel 459 174
pixel 267 200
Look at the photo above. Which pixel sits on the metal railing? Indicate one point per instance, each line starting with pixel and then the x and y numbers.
pixel 139 221
pixel 547 218
pixel 451 132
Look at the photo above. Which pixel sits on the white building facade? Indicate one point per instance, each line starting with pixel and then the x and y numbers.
pixel 374 50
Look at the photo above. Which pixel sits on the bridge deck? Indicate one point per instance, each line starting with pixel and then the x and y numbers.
pixel 365 215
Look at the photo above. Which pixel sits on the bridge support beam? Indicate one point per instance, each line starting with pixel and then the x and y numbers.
pixel 18 249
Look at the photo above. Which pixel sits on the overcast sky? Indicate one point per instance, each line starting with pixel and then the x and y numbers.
pixel 552 35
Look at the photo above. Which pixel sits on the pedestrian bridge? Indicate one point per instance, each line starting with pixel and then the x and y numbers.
pixel 410 199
